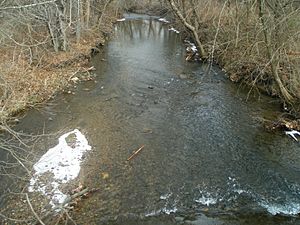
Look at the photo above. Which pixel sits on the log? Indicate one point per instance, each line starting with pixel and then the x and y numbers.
pixel 135 153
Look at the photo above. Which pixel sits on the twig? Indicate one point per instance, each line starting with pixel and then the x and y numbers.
pixel 136 152
pixel 92 68
pixel 217 31
pixel 16 158
pixel 70 218
pixel 73 74
pixel 12 219
pixel 76 195
pixel 34 213
pixel 27 6
pixel 63 205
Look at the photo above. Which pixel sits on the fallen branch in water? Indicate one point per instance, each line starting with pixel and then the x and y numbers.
pixel 136 152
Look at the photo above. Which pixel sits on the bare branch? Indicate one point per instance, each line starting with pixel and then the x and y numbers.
pixel 33 211
pixel 28 6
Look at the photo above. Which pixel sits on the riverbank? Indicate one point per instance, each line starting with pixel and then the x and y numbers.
pixel 26 82
pixel 236 37
pixel 145 94
pixel 251 49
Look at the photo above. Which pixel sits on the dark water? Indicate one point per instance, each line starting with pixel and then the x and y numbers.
pixel 206 160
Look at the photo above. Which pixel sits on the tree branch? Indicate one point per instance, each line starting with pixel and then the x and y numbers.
pixel 190 27
pixel 28 6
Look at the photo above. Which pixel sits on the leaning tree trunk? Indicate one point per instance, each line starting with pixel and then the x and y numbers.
pixel 202 52
pixel 286 95
pixel 54 38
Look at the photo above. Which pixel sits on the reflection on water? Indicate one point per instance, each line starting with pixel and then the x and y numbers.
pixel 204 150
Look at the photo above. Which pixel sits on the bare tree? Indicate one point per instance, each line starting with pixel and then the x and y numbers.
pixel 255 40
pixel 192 28
pixel 270 53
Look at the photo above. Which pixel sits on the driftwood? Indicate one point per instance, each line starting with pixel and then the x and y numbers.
pixel 284 124
pixel 135 153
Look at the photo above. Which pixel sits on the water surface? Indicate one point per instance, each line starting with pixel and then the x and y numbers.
pixel 206 160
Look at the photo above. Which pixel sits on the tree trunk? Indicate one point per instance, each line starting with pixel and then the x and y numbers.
pixel 102 12
pixel 70 12
pixel 53 37
pixel 78 25
pixel 202 52
pixel 62 25
pixel 87 13
pixel 286 95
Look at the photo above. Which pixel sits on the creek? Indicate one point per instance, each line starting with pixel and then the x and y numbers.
pixel 207 158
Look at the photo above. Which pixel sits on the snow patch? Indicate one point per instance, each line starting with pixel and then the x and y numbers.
pixel 163 20
pixel 191 46
pixel 121 20
pixel 292 133
pixel 59 165
pixel 174 30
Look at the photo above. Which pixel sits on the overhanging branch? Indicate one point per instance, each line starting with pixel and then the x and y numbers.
pixel 27 6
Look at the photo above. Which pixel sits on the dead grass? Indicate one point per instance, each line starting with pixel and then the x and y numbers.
pixel 24 84
pixel 234 36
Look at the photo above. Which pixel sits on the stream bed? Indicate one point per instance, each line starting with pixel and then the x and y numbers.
pixel 206 157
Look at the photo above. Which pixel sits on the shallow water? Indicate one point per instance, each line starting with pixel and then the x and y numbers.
pixel 206 160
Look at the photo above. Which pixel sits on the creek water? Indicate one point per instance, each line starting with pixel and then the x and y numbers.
pixel 207 158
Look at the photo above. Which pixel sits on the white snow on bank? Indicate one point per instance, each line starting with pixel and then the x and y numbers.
pixel 191 46
pixel 163 20
pixel 292 133
pixel 59 165
pixel 121 20
pixel 174 30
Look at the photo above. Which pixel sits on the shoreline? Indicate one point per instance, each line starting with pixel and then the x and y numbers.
pixel 290 112
pixel 28 85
